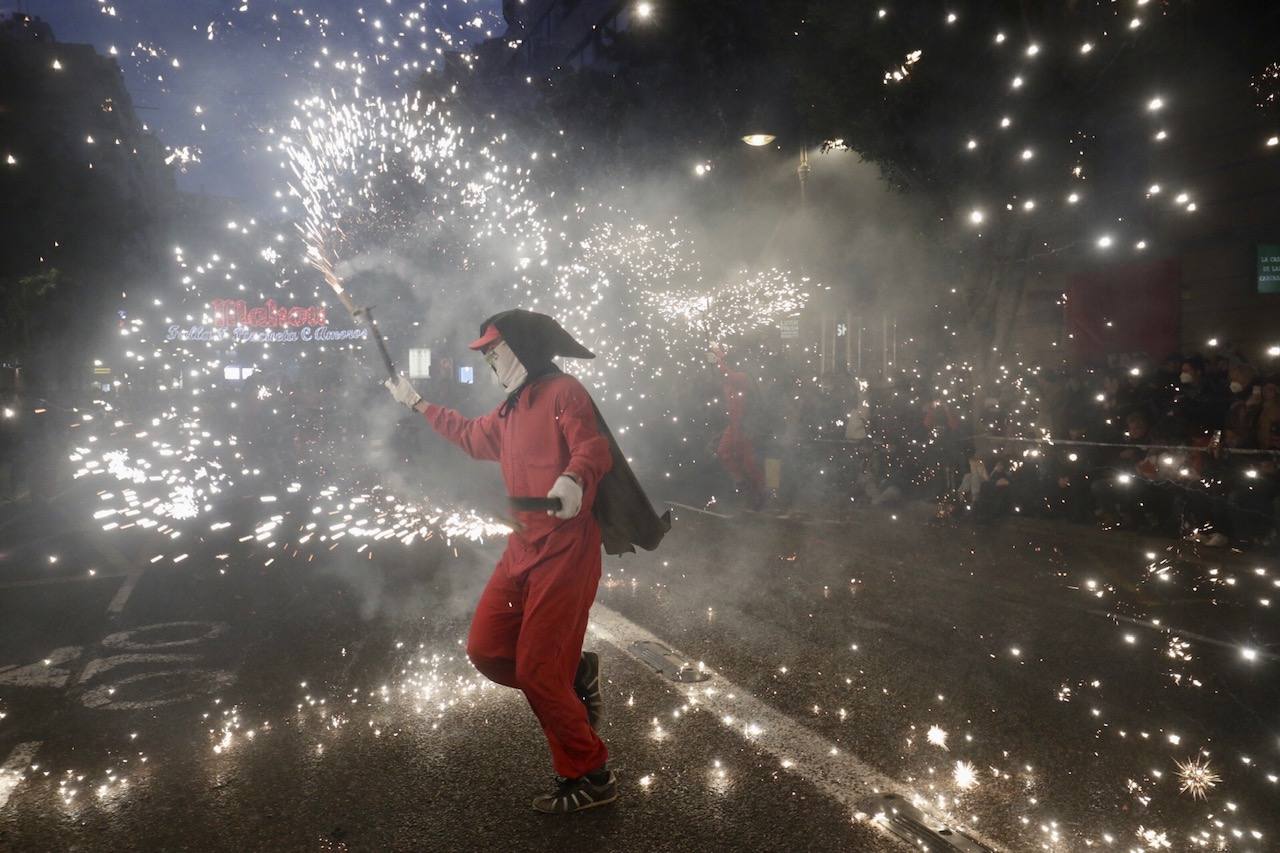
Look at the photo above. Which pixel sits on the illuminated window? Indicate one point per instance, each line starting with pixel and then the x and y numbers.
pixel 419 363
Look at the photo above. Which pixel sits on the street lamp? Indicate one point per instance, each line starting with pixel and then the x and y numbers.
pixel 644 11
pixel 803 170
pixel 759 140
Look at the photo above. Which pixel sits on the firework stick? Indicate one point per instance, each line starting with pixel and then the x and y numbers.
pixel 520 504
pixel 381 342
pixel 365 315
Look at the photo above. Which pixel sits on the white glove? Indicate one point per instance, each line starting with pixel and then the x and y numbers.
pixel 403 392
pixel 570 495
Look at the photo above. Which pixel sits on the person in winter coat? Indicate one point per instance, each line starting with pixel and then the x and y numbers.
pixel 529 625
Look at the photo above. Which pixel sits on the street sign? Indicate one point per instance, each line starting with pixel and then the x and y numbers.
pixel 1268 268
pixel 419 363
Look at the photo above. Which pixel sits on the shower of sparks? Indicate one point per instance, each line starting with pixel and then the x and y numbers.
pixel 1196 777
pixel 455 208
pixel 397 187
pixel 734 309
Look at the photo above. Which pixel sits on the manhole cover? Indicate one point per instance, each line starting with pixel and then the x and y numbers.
pixel 667 663
pixel 918 829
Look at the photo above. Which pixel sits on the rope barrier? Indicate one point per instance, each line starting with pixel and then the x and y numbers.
pixel 1053 442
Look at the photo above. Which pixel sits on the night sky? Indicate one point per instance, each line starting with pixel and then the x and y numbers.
pixel 241 63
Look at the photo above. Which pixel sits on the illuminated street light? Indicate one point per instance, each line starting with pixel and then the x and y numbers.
pixel 644 11
pixel 758 140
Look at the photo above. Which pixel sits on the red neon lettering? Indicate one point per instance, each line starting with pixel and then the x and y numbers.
pixel 228 313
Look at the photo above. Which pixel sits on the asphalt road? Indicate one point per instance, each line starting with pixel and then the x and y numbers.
pixel 199 692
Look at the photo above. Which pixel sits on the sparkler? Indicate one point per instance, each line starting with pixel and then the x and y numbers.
pixel 320 260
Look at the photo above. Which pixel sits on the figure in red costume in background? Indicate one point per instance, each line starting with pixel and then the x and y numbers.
pixel 527 632
pixel 735 451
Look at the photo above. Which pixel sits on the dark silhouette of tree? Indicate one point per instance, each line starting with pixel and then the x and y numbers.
pixel 25 300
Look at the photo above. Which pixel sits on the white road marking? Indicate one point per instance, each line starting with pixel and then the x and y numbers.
pixel 166 687
pixel 805 753
pixel 122 594
pixel 135 639
pixel 97 666
pixel 42 673
pixel 13 770
pixel 149 646
pixel 170 689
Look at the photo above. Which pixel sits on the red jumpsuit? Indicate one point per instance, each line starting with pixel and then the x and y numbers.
pixel 528 627
pixel 735 451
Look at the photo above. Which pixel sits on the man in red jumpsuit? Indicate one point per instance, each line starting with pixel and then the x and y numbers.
pixel 529 625
pixel 735 451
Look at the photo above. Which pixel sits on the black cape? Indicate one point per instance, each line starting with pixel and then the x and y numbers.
pixel 622 509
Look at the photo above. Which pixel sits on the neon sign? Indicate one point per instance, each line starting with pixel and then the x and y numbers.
pixel 236 321
pixel 229 313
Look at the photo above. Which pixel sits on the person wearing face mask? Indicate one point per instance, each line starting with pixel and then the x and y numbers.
pixel 527 632
pixel 1241 423
pixel 1192 371
pixel 1240 377
pixel 1200 405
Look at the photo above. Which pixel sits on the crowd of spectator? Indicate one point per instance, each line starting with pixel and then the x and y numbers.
pixel 1185 447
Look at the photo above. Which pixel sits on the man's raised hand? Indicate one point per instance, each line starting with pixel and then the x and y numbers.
pixel 403 392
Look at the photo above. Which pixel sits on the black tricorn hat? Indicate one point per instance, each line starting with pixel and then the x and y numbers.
pixel 534 338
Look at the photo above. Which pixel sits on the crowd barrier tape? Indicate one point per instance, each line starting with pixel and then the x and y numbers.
pixel 1066 442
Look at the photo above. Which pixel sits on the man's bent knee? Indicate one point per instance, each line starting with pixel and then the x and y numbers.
pixel 499 670
pixel 540 678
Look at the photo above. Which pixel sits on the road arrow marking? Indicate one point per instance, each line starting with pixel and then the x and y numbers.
pixel 122 594
pixel 45 673
pixel 14 768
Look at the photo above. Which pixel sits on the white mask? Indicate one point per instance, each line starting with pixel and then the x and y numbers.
pixel 1236 387
pixel 506 368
